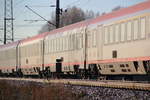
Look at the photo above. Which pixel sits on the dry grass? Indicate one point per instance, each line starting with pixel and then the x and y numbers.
pixel 19 90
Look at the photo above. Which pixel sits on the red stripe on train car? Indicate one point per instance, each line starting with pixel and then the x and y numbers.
pixel 123 60
pixel 90 62
pixel 8 67
pixel 104 61
pixel 31 66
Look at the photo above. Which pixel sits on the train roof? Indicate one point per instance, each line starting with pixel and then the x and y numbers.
pixel 9 45
pixel 39 36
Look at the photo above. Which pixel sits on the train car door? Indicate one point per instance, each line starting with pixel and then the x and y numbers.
pixel 100 42
pixel 59 65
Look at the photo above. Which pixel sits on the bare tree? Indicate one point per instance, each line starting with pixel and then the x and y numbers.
pixel 72 15
pixel 117 8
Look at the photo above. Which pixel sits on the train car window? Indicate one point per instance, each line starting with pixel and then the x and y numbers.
pixel 24 48
pixel 50 45
pixel 111 34
pixel 82 36
pixel 129 30
pixel 116 33
pixel 33 52
pixel 80 41
pixel 46 46
pixel 143 27
pixel 148 27
pixel 94 38
pixel 88 39
pixel 114 54
pixel 106 36
pixel 135 29
pixel 60 44
pixel 77 40
pixel 122 32
pixel 67 42
pixel 72 41
pixel 57 44
pixel 64 42
pixel 36 51
pixel 53 44
pixel 31 49
pixel 27 51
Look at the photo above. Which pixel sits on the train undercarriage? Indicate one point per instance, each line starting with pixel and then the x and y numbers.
pixel 92 72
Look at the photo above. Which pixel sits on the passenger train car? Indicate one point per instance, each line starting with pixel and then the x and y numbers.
pixel 9 58
pixel 112 45
pixel 31 55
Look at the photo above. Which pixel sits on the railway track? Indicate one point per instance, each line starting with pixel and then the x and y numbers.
pixel 93 83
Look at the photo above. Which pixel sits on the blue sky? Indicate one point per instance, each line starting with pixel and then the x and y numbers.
pixel 23 29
